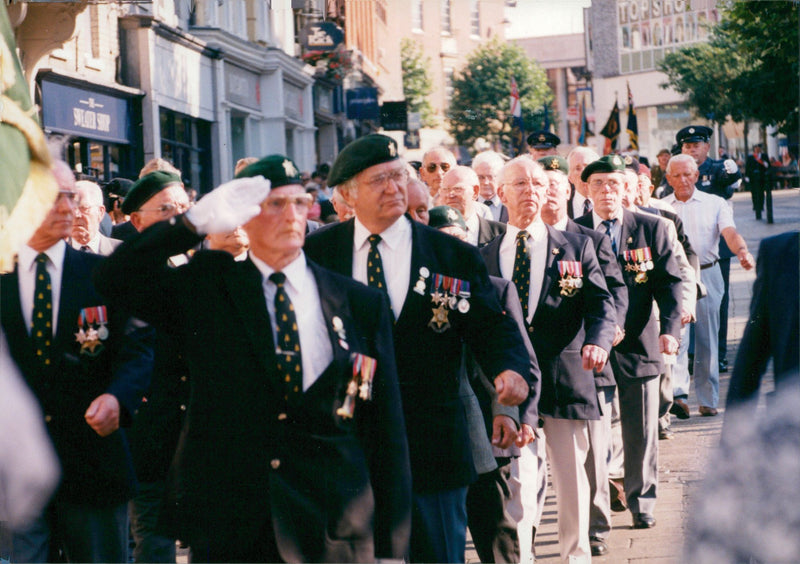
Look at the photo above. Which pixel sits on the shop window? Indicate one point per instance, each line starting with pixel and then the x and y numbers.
pixel 186 142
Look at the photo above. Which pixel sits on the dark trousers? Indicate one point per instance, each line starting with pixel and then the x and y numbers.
pixel 757 191
pixel 725 269
pixel 75 533
pixel 262 548
pixel 144 510
pixel 493 529
pixel 439 526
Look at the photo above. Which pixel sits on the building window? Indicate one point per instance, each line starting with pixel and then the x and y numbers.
pixel 475 19
pixel 447 23
pixel 186 142
pixel 416 15
pixel 448 85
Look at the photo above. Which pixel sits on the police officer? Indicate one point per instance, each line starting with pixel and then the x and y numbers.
pixel 542 143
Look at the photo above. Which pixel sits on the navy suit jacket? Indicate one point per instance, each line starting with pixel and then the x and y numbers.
pixel 429 363
pixel 488 230
pixel 334 488
pixel 614 282
pixel 772 331
pixel 96 471
pixel 562 325
pixel 638 355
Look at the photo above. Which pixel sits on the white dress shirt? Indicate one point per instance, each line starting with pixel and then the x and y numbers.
pixel 26 265
pixel 301 287
pixel 704 217
pixel 473 229
pixel 538 249
pixel 616 229
pixel 495 207
pixel 395 250
pixel 577 204
pixel 94 244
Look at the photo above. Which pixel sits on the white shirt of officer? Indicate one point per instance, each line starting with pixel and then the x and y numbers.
pixel 704 217
pixel 301 287
pixel 537 244
pixel 26 265
pixel 395 250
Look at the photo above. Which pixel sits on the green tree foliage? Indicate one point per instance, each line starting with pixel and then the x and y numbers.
pixel 480 106
pixel 417 85
pixel 749 68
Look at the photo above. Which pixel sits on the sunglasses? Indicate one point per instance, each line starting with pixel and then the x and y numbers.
pixel 432 167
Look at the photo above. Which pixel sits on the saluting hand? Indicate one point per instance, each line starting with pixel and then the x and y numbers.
pixel 228 206
pixel 511 388
pixel 103 414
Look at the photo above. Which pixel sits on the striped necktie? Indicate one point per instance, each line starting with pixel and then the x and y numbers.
pixel 609 225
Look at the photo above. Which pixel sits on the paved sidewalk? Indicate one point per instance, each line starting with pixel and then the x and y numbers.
pixel 682 461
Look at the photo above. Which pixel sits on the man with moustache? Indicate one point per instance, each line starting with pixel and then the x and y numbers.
pixel 458 190
pixel 487 165
pixel 294 447
pixel 554 213
pixel 570 320
pixel 440 298
pixel 651 274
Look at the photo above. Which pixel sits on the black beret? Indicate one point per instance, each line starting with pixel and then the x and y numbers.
pixel 445 216
pixel 554 162
pixel 146 187
pixel 543 140
pixel 370 150
pixel 607 163
pixel 279 170
pixel 694 133
pixel 119 187
pixel 631 162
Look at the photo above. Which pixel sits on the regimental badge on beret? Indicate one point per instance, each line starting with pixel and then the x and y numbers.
pixel 367 151
pixel 555 162
pixel 278 169
pixel 617 161
pixel 288 166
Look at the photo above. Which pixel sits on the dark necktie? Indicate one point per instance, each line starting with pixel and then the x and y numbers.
pixel 522 271
pixel 609 225
pixel 289 359
pixel 375 278
pixel 86 249
pixel 42 320
pixel 587 206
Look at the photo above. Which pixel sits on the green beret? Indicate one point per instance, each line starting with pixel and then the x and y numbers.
pixel 279 170
pixel 554 162
pixel 445 216
pixel 543 139
pixel 370 150
pixel 694 133
pixel 146 187
pixel 607 163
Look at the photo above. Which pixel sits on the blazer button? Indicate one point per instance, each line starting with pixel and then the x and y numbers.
pixel 183 408
pixel 275 463
pixel 281 417
pixel 183 378
pixel 530 329
pixel 48 418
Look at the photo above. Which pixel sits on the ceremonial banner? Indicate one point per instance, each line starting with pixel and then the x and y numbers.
pixel 517 126
pixel 632 126
pixel 27 186
pixel 611 130
pixel 585 131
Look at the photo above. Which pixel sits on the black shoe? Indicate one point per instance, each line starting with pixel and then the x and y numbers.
pixel 598 546
pixel 680 408
pixel 723 365
pixel 643 521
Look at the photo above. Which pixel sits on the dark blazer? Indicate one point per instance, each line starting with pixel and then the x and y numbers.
pixel 713 178
pixel 638 355
pixel 331 488
pixel 614 282
pixel 488 230
pixel 96 471
pixel 428 363
pixel 503 218
pixel 562 325
pixel 772 331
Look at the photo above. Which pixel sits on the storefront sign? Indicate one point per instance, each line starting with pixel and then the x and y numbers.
pixel 83 113
pixel 242 87
pixel 362 103
pixel 322 36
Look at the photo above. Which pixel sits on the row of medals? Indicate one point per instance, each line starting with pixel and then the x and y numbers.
pixel 641 269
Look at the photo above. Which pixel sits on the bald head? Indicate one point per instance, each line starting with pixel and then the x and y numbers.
pixel 435 164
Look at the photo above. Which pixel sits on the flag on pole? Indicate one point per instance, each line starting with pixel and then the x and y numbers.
pixel 585 131
pixel 27 186
pixel 611 130
pixel 517 126
pixel 632 126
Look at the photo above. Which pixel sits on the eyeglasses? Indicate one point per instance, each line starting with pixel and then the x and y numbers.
pixel 486 177
pixel 167 210
pixel 599 184
pixel 454 190
pixel 431 167
pixel 69 195
pixel 277 204
pixel 379 181
pixel 84 209
pixel 523 183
